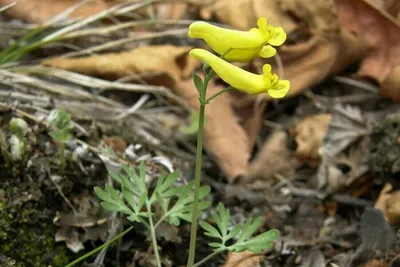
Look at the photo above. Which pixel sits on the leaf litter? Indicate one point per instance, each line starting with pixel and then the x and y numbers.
pixel 313 165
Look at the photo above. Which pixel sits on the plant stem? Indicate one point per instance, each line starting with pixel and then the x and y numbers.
pixel 219 93
pixel 199 155
pixel 100 248
pixel 199 159
pixel 153 234
pixel 215 253
pixel 193 231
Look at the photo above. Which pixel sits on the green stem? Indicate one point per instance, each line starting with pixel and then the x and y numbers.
pixel 162 219
pixel 215 253
pixel 100 248
pixel 199 156
pixel 153 234
pixel 227 89
pixel 193 231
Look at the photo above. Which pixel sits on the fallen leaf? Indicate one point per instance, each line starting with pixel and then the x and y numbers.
pixel 251 118
pixel 47 9
pixel 243 259
pixel 390 87
pixel 376 263
pixel 314 258
pixel 379 30
pixel 115 143
pixel 243 14
pixel 308 63
pixel 375 232
pixel 393 8
pixel 172 11
pixel 169 232
pixel 320 16
pixel 89 217
pixel 389 203
pixel 71 237
pixel 393 208
pixel 347 126
pixel 224 139
pixel 309 134
pixel 168 63
pixel 274 158
pixel 395 261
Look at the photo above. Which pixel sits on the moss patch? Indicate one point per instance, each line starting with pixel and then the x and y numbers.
pixel 26 227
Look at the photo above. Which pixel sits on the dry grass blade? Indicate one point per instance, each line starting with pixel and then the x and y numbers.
pixel 124 41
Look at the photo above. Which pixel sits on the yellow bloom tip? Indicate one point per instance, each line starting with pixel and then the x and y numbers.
pixel 197 29
pixel 280 90
pixel 197 53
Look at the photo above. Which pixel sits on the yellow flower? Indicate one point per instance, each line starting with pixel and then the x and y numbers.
pixel 244 45
pixel 242 80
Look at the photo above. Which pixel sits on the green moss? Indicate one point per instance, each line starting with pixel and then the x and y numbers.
pixel 26 234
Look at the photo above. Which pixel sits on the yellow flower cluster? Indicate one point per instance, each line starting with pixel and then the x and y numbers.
pixel 242 46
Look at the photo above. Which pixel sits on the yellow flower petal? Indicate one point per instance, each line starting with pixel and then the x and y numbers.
pixel 267 51
pixel 243 45
pixel 278 37
pixel 240 79
pixel 280 90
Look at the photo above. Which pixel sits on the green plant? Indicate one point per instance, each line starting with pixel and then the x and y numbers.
pixel 62 125
pixel 165 203
pixel 175 203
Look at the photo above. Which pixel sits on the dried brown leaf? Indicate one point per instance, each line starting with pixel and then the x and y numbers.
pixel 390 87
pixel 309 134
pixel 320 16
pixel 273 158
pixel 250 117
pixel 393 8
pixel 389 202
pixel 39 11
pixel 308 63
pixel 71 237
pixel 224 138
pixel 378 30
pixel 243 259
pixel 169 63
pixel 173 11
pixel 376 263
pixel 243 14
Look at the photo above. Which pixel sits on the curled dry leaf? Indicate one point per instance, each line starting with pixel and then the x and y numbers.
pixel 307 63
pixel 309 134
pixel 243 14
pixel 320 16
pixel 168 64
pixel 71 237
pixel 346 126
pixel 389 203
pixel 224 138
pixel 381 33
pixel 173 11
pixel 329 48
pixel 274 158
pixel 45 10
pixel 243 259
